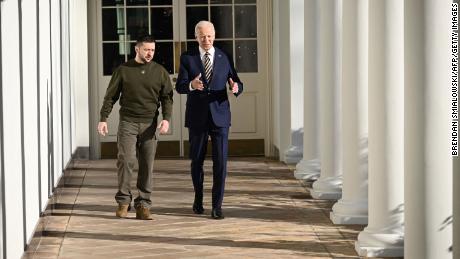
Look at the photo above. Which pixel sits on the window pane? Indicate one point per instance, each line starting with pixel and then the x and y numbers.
pixel 164 55
pixel 221 1
pixel 137 22
pixel 112 2
pixel 162 23
pixel 132 45
pixel 245 21
pixel 226 46
pixel 194 15
pixel 245 1
pixel 113 23
pixel 192 45
pixel 192 2
pixel 161 2
pixel 246 55
pixel 112 57
pixel 136 2
pixel 221 16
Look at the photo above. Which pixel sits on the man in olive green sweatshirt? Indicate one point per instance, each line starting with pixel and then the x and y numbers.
pixel 142 86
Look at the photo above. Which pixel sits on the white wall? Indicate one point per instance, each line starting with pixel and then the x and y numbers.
pixel 56 119
pixel 79 72
pixel 65 85
pixel 30 76
pixel 12 147
pixel 43 96
pixel 36 112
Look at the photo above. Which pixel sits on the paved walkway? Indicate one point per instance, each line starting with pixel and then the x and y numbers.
pixel 268 215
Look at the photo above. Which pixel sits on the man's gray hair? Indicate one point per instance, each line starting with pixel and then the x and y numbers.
pixel 201 24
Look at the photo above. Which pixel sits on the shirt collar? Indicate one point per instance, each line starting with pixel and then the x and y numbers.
pixel 211 52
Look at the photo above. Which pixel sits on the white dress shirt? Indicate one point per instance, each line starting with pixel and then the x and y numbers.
pixel 211 52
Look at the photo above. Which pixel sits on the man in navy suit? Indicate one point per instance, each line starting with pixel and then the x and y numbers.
pixel 203 75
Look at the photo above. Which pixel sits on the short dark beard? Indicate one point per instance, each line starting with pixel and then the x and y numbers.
pixel 142 59
pixel 145 61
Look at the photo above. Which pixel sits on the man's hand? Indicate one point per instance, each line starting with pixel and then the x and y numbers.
pixel 197 84
pixel 102 128
pixel 233 86
pixel 163 126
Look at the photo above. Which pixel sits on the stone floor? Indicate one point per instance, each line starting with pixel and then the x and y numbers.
pixel 268 215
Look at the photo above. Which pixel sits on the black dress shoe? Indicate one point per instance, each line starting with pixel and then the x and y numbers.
pixel 217 214
pixel 198 208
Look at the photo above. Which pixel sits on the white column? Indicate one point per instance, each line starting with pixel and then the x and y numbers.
pixel 309 167
pixel 293 154
pixel 352 207
pixel 428 161
pixel 281 75
pixel 329 185
pixel 384 235
pixel 11 133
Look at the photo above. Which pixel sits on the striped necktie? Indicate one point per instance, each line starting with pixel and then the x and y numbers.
pixel 207 67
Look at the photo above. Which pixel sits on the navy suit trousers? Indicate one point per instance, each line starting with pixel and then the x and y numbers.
pixel 198 146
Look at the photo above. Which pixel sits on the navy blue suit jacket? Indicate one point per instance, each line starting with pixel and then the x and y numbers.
pixel 214 97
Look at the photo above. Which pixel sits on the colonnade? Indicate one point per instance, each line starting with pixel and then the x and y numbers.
pixel 377 121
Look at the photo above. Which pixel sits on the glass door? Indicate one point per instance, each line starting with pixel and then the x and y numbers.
pixel 121 23
pixel 235 22
pixel 240 32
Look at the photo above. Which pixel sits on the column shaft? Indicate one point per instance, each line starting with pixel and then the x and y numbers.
pixel 428 162
pixel 329 185
pixel 309 168
pixel 352 208
pixel 293 154
pixel 384 235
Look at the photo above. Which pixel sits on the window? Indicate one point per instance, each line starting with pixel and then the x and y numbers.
pixel 123 21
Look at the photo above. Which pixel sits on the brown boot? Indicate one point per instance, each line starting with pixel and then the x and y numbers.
pixel 122 211
pixel 143 213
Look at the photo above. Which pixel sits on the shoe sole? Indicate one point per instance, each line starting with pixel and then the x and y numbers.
pixel 143 219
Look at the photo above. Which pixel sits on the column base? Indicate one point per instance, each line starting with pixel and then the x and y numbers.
pixel 349 212
pixel 293 154
pixel 375 244
pixel 308 170
pixel 327 188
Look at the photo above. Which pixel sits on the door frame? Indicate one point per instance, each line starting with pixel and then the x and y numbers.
pixel 93 72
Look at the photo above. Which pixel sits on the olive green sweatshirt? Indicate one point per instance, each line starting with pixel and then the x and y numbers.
pixel 142 88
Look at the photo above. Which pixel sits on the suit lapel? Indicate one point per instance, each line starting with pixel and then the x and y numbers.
pixel 199 64
pixel 216 64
